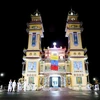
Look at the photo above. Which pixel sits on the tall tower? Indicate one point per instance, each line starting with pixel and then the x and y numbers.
pixel 76 53
pixel 35 32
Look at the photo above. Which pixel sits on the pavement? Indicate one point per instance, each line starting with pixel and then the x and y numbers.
pixel 50 95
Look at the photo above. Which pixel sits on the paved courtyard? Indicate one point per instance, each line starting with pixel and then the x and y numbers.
pixel 50 95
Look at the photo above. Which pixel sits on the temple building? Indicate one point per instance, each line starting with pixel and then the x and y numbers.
pixel 56 67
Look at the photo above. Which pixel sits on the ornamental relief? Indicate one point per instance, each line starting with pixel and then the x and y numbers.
pixel 36 27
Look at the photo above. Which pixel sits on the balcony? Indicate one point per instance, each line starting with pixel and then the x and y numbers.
pixel 59 60
pixel 73 28
pixel 61 69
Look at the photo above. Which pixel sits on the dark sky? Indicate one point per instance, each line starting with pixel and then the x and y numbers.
pixel 15 15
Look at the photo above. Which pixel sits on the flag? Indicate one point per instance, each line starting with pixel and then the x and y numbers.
pixel 54 57
pixel 54 64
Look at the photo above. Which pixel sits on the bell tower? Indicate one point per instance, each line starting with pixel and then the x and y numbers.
pixel 76 54
pixel 35 30
pixel 32 58
pixel 73 31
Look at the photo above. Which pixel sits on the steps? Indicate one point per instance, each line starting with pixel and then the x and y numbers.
pixel 56 89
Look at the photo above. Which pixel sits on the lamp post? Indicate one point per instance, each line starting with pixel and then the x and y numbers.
pixel 1 75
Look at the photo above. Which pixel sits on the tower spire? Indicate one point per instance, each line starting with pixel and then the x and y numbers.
pixel 37 13
pixel 71 12
pixel 71 9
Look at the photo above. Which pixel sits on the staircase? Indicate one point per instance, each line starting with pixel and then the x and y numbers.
pixel 56 89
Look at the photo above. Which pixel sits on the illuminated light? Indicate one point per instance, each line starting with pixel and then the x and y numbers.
pixel 2 74
pixel 55 75
pixel 31 59
pixel 61 57
pixel 69 75
pixel 36 14
pixel 42 36
pixel 54 43
pixel 94 79
pixel 71 13
pixel 46 55
pixel 61 47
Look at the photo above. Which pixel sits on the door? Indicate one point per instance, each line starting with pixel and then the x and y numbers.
pixel 59 82
pixel 50 81
pixel 55 81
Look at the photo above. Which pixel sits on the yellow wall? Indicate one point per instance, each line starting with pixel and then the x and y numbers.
pixel 34 18
pixel 76 53
pixel 31 73
pixel 33 54
pixel 72 25
pixel 84 78
pixel 72 16
pixel 37 26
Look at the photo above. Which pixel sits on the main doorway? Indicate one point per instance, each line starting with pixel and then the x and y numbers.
pixel 55 81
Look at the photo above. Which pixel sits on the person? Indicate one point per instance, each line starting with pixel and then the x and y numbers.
pixel 19 86
pixel 10 86
pixel 25 86
pixel 1 87
pixel 14 85
pixel 33 86
pixel 88 86
pixel 96 87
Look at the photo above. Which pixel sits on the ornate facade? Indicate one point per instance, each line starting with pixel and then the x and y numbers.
pixel 55 67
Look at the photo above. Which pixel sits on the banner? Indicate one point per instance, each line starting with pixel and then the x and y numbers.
pixel 33 39
pixel 75 35
pixel 54 64
pixel 54 67
pixel 54 57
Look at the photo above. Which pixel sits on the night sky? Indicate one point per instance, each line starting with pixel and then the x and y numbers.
pixel 15 15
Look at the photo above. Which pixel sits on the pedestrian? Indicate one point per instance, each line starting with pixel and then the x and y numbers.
pixel 10 86
pixel 14 85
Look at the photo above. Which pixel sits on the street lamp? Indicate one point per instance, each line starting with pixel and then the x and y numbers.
pixel 1 74
pixel 94 79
